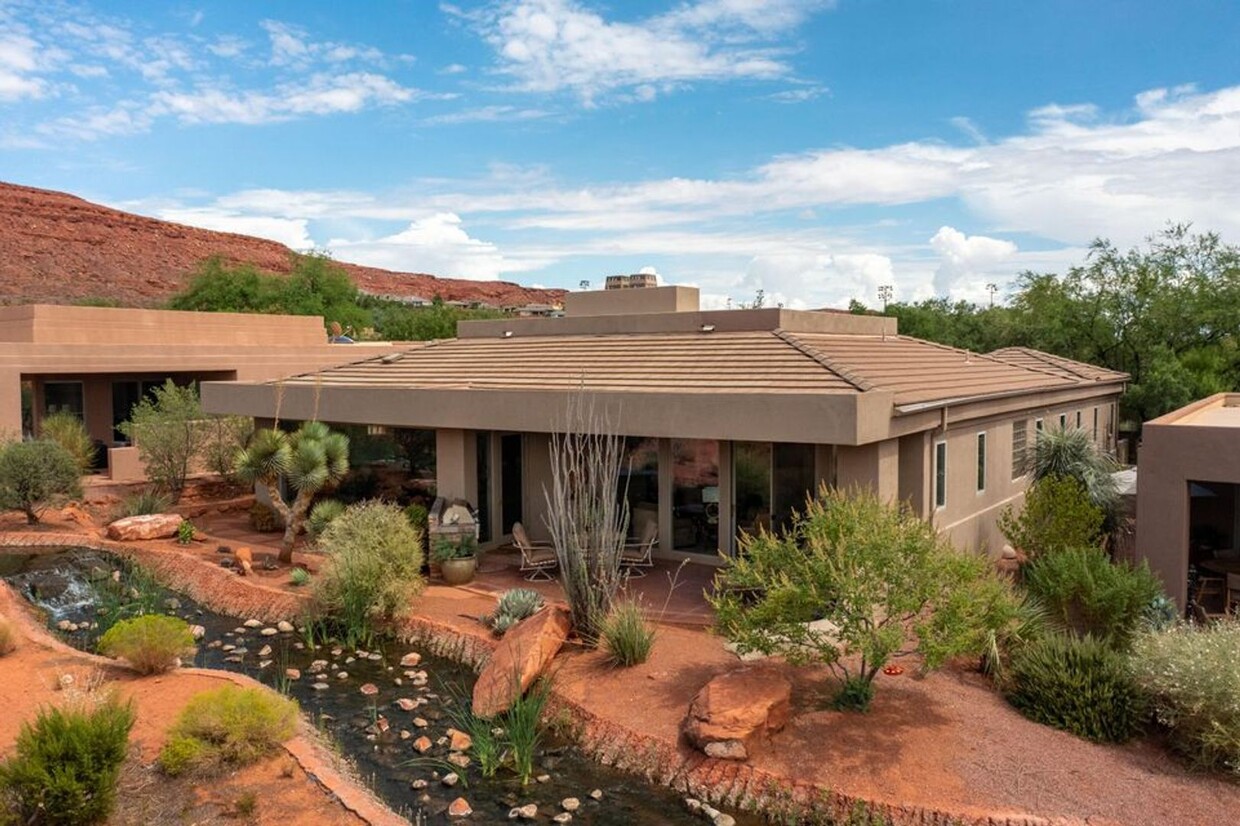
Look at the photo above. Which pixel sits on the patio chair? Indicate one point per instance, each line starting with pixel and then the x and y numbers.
pixel 636 556
pixel 1209 587
pixel 538 559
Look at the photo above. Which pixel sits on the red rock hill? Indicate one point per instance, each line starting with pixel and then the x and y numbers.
pixel 57 248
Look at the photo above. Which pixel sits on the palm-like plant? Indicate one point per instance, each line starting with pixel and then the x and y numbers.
pixel 310 460
pixel 1071 453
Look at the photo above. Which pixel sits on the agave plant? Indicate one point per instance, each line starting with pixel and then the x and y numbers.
pixel 309 460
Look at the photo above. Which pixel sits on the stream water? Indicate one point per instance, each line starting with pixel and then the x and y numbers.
pixel 372 731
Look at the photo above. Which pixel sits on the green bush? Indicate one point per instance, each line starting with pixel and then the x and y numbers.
pixel 1087 593
pixel 1057 514
pixel 166 427
pixel 142 503
pixel 514 605
pixel 227 727
pixel 32 474
pixel 1077 684
pixel 8 638
pixel 625 635
pixel 67 430
pixel 418 516
pixel 66 766
pixel 264 519
pixel 375 570
pixel 151 644
pixel 1192 674
pixel 321 516
pixel 299 577
pixel 185 532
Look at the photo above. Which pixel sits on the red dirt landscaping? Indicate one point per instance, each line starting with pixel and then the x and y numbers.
pixel 944 745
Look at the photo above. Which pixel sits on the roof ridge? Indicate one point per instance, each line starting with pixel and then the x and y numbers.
pixel 846 373
pixel 1063 362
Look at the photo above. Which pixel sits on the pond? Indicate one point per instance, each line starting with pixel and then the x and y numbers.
pixel 373 731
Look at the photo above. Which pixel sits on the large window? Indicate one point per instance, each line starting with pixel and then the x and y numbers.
pixel 792 479
pixel 639 482
pixel 695 495
pixel 63 397
pixel 770 481
pixel 981 462
pixel 940 474
pixel 1020 447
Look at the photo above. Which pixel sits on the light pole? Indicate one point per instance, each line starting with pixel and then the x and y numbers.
pixel 992 288
pixel 884 294
pixel 584 284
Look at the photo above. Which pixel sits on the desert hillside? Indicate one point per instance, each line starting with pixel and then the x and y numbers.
pixel 58 248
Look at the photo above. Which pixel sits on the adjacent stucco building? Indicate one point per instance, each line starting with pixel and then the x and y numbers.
pixel 1188 490
pixel 731 417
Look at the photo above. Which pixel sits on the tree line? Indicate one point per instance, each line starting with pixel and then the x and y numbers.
pixel 1166 312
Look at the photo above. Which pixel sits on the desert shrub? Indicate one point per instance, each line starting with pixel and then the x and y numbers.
pixel 168 429
pixel 625 635
pixel 299 577
pixel 854 582
pixel 33 474
pixel 1077 684
pixel 223 437
pixel 185 532
pixel 142 503
pixel 1192 674
pixel 8 637
pixel 66 766
pixel 151 644
pixel 227 727
pixel 321 515
pixel 418 515
pixel 376 568
pixel 1087 593
pixel 67 430
pixel 264 519
pixel 513 605
pixel 1057 514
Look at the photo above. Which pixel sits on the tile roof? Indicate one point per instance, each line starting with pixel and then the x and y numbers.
pixel 758 361
pixel 1066 367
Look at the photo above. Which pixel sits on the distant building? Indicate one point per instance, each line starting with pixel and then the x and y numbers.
pixel 630 282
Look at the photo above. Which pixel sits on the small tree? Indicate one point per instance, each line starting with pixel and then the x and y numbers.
pixel 225 435
pixel 310 460
pixel 852 583
pixel 67 430
pixel 33 473
pixel 167 428
pixel 1057 514
pixel 587 520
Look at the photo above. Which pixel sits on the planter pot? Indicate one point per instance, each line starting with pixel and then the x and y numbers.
pixel 458 571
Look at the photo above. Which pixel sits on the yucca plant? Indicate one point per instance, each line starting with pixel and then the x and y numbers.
pixel 310 460
pixel 1071 453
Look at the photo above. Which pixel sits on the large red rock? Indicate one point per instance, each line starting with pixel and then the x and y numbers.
pixel 147 526
pixel 523 654
pixel 736 709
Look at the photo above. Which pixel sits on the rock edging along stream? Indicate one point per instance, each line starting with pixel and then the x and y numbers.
pixel 721 782
pixel 306 749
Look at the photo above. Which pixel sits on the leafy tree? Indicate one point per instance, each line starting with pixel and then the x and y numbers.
pixel 169 430
pixel 309 460
pixel 34 473
pixel 853 583
pixel 67 430
pixel 1057 514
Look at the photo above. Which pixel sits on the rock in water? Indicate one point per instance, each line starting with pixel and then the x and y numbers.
pixel 459 808
pixel 525 650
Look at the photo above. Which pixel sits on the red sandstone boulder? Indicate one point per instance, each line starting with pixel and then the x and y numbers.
pixel 735 709
pixel 245 561
pixel 147 526
pixel 522 655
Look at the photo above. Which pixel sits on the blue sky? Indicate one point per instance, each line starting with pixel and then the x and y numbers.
pixel 810 148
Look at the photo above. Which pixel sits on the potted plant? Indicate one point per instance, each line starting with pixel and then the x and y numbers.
pixel 457 558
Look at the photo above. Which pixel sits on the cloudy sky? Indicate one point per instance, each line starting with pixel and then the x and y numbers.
pixel 816 149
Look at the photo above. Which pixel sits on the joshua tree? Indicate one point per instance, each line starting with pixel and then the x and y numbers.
pixel 587 520
pixel 311 459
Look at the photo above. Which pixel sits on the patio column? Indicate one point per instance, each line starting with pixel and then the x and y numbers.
pixel 875 466
pixel 456 465
pixel 11 403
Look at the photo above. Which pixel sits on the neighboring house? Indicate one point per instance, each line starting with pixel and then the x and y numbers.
pixel 1188 493
pixel 733 416
pixel 97 362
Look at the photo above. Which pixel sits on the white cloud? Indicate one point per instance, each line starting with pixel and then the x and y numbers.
pixel 18 62
pixel 967 261
pixel 485 114
pixel 436 244
pixel 319 95
pixel 563 45
pixel 290 232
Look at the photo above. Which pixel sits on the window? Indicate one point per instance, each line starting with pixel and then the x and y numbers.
pixel 981 462
pixel 1019 448
pixel 1095 424
pixel 940 474
pixel 63 397
pixel 1078 420
pixel 1038 426
pixel 1063 421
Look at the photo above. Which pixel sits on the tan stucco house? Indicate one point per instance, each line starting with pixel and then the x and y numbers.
pixel 96 362
pixel 731 416
pixel 1188 493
